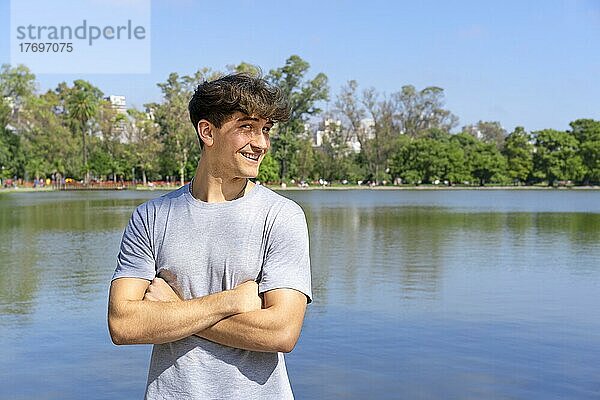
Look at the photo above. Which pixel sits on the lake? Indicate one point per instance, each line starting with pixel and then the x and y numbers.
pixel 418 294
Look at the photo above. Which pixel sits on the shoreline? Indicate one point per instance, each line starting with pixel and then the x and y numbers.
pixel 325 188
pixel 355 187
pixel 425 188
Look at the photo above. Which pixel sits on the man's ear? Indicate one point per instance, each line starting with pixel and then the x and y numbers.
pixel 206 132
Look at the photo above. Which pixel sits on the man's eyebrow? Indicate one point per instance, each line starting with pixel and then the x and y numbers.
pixel 254 119
pixel 248 118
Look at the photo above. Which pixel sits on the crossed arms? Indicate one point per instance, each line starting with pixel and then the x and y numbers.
pixel 140 311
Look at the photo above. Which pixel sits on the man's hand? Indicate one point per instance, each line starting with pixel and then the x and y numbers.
pixel 141 312
pixel 246 297
pixel 274 328
pixel 159 290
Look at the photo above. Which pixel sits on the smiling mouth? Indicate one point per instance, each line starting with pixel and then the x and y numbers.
pixel 251 156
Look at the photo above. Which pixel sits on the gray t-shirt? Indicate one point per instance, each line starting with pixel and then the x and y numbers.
pixel 201 248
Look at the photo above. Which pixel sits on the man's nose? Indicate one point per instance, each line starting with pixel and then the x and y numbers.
pixel 261 141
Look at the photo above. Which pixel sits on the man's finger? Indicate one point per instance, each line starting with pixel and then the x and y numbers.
pixel 149 297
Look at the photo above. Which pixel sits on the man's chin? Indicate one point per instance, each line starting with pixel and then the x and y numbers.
pixel 249 175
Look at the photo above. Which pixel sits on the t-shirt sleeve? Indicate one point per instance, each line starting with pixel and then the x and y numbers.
pixel 136 259
pixel 287 261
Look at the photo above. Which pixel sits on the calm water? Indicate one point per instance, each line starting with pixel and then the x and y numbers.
pixel 418 295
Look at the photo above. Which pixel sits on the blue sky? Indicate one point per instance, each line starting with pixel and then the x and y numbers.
pixel 531 63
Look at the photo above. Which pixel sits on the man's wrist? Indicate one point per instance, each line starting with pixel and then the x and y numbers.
pixel 230 299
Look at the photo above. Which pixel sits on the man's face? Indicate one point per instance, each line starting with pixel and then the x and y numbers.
pixel 241 144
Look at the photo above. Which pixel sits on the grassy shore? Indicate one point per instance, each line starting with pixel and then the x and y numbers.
pixel 432 187
pixel 338 187
pixel 26 189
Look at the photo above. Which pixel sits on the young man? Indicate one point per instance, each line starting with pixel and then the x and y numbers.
pixel 217 273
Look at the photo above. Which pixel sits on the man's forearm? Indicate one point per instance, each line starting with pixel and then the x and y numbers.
pixel 144 322
pixel 272 329
pixel 259 330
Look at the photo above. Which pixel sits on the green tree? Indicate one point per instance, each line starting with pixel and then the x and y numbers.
pixel 269 169
pixel 177 133
pixel 245 68
pixel 108 153
pixel 488 165
pixel 556 157
pixel 304 95
pixel 488 132
pixel 420 110
pixel 348 106
pixel 451 164
pixel 483 160
pixel 17 84
pixel 9 144
pixel 101 163
pixel 47 142
pixel 351 168
pixel 306 160
pixel 421 160
pixel 380 137
pixel 415 114
pixel 587 132
pixel 518 151
pixel 145 142
pixel 469 145
pixel 82 103
pixel 333 153
pixel 457 170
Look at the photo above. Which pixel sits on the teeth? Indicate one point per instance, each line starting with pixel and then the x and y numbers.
pixel 251 156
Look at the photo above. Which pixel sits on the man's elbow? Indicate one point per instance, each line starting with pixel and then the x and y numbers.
pixel 287 340
pixel 118 335
pixel 119 328
pixel 287 347
pixel 117 339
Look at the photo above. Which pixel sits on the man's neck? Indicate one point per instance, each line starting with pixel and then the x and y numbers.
pixel 209 187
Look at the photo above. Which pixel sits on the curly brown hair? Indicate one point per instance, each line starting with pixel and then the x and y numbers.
pixel 216 101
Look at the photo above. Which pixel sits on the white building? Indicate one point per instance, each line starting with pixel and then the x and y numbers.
pixel 329 128
pixel 367 128
pixel 118 103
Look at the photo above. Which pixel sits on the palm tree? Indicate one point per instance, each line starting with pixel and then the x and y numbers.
pixel 82 106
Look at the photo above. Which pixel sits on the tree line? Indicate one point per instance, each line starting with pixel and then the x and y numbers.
pixel 402 137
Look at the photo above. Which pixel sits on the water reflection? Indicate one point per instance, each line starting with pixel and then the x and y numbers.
pixel 433 295
pixel 20 275
pixel 402 253
pixel 56 243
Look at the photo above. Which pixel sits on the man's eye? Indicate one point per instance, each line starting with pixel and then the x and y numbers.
pixel 266 129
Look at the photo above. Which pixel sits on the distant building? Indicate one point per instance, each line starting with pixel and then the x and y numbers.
pixel 367 128
pixel 150 114
pixel 306 133
pixel 354 144
pixel 10 102
pixel 329 127
pixel 118 103
pixel 474 131
pixel 318 138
